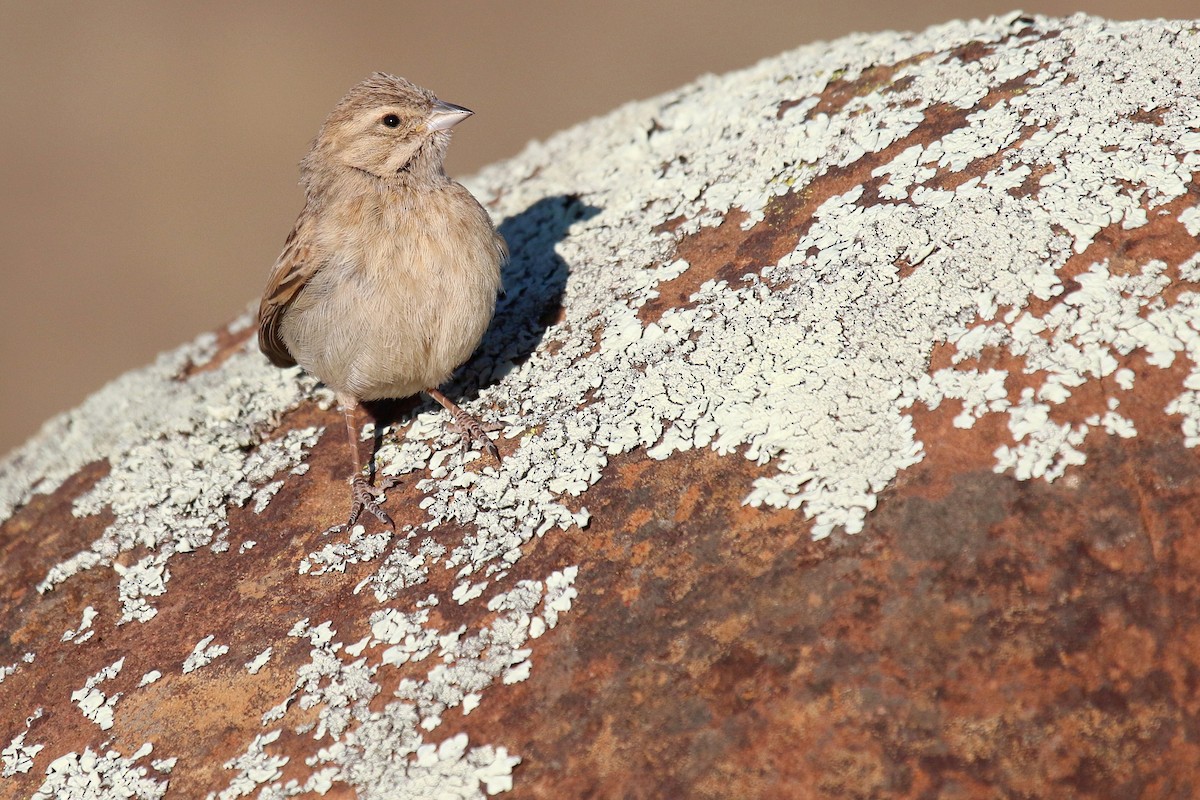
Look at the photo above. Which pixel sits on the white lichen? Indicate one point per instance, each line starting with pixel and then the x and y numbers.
pixel 90 776
pixel 89 615
pixel 358 547
pixel 254 665
pixel 203 654
pixel 1190 217
pixel 18 757
pixel 384 753
pixel 95 704
pixel 1080 339
pixel 254 767
pixel 178 450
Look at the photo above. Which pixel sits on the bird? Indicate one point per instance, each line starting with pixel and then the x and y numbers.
pixel 389 278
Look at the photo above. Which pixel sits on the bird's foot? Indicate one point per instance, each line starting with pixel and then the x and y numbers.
pixel 365 496
pixel 474 432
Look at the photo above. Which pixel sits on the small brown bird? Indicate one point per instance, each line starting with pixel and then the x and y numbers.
pixel 389 278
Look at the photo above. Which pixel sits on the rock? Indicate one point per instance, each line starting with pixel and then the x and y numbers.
pixel 850 410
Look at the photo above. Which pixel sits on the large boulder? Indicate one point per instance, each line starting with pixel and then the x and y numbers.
pixel 850 409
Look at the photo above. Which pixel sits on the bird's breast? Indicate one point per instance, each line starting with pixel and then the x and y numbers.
pixel 405 295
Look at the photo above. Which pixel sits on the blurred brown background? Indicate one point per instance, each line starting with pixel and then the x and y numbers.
pixel 150 150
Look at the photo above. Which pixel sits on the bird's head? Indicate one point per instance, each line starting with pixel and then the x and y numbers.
pixel 388 127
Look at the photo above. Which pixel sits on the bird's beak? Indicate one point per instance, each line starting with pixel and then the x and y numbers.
pixel 445 116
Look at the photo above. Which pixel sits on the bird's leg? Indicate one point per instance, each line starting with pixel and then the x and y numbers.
pixel 473 430
pixel 362 494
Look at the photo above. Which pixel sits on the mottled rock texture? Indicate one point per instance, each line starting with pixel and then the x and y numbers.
pixel 850 406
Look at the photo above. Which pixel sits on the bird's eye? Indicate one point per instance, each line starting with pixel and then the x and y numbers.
pixel 391 120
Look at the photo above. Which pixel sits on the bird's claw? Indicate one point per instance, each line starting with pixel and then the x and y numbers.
pixel 365 496
pixel 475 432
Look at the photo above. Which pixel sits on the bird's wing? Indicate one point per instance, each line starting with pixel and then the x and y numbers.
pixel 294 268
pixel 501 251
pixel 501 247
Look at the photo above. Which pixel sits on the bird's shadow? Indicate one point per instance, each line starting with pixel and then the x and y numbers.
pixel 533 281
